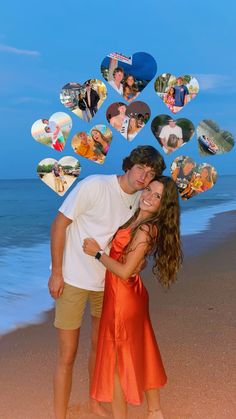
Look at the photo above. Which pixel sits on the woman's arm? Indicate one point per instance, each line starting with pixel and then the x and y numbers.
pixel 139 247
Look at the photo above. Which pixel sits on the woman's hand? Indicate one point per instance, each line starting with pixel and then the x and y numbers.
pixel 91 247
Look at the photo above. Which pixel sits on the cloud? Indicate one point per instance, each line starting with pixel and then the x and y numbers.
pixel 29 99
pixel 214 81
pixel 17 51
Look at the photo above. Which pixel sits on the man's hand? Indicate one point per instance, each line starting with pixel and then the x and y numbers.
pixel 56 285
pixel 91 247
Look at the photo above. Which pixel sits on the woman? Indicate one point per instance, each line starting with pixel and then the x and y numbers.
pixel 128 361
pixel 171 144
pixel 200 183
pixel 82 104
pixel 133 128
pixel 100 140
pixel 130 90
pixel 169 98
pixel 82 146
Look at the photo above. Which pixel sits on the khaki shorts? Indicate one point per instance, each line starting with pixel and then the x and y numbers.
pixel 71 304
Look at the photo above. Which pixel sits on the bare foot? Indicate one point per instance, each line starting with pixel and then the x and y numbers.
pixel 97 409
pixel 155 414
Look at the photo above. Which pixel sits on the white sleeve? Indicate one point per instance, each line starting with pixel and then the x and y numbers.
pixel 180 133
pixel 162 133
pixel 81 198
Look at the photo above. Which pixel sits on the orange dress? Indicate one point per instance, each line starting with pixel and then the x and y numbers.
pixel 126 335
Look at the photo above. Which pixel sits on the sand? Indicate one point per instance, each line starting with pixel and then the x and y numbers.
pixel 195 325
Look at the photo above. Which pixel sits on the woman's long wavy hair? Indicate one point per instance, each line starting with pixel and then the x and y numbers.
pixel 163 234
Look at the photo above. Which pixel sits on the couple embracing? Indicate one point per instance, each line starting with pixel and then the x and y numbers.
pixel 105 229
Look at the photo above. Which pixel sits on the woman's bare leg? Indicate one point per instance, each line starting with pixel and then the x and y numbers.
pixel 95 406
pixel 119 405
pixel 154 405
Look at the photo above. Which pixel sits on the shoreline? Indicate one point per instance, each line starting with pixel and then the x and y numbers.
pixel 221 227
pixel 194 324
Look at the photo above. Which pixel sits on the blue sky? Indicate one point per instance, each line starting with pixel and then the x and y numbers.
pixel 44 45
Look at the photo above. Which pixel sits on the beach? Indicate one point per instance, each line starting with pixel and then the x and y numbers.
pixel 195 327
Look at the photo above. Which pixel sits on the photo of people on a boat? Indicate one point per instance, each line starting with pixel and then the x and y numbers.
pixel 212 140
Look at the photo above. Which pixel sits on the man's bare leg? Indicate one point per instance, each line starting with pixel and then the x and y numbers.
pixel 68 344
pixel 94 404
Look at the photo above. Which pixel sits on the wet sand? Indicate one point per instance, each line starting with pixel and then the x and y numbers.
pixel 195 325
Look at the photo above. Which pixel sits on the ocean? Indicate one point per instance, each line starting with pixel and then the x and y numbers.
pixel 27 210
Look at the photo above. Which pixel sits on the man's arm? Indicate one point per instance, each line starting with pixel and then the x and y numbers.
pixel 58 235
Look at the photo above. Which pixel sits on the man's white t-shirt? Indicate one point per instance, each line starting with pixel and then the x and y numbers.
pixel 167 130
pixel 98 207
pixel 120 90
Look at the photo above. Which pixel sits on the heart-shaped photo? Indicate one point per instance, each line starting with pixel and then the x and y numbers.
pixel 54 131
pixel 128 75
pixel 128 120
pixel 191 178
pixel 59 175
pixel 212 140
pixel 176 92
pixel 85 99
pixel 172 134
pixel 93 145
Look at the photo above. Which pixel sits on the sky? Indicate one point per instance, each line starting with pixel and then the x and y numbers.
pixel 44 45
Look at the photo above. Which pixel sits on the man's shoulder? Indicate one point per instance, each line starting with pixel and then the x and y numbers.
pixel 98 179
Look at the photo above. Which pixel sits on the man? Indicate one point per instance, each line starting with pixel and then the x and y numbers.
pixel 54 131
pixel 184 174
pixel 121 121
pixel 96 207
pixel 180 94
pixel 91 98
pixel 170 129
pixel 118 75
pixel 57 177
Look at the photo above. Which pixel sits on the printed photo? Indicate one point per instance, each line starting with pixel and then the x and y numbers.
pixel 59 175
pixel 84 100
pixel 54 131
pixel 93 145
pixel 212 140
pixel 176 92
pixel 128 75
pixel 172 134
pixel 128 120
pixel 190 178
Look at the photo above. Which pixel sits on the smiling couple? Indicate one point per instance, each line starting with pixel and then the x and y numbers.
pixel 105 229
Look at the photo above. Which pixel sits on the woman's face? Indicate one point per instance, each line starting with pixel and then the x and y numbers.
pixel 132 122
pixel 130 81
pixel 204 172
pixel 171 91
pixel 96 135
pixel 150 198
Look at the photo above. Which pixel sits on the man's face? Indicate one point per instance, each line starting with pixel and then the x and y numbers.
pixel 179 81
pixel 188 167
pixel 122 109
pixel 139 176
pixel 171 123
pixel 118 76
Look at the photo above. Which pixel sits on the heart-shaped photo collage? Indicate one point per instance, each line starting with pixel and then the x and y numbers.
pixel 128 76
